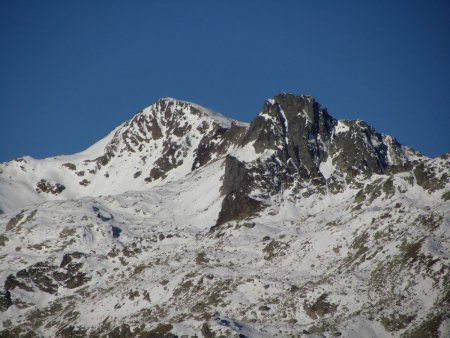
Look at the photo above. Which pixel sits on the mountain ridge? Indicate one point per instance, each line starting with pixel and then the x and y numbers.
pixel 180 223
pixel 135 134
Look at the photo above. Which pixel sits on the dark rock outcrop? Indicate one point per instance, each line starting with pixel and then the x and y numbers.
pixel 218 142
pixel 46 277
pixel 48 187
pixel 304 135
pixel 237 185
pixel 298 128
pixel 301 136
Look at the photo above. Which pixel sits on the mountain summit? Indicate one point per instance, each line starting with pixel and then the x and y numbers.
pixel 182 222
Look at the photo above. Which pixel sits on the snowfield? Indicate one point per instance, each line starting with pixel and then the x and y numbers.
pixel 226 238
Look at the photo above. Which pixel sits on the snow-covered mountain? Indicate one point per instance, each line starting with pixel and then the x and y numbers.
pixel 182 222
pixel 164 142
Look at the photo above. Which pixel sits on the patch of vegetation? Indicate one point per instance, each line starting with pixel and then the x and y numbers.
pixel 359 245
pixel 31 216
pixel 201 258
pixel 446 196
pixel 38 316
pixel 371 191
pixel 430 222
pixel 384 274
pixel 360 196
pixel 17 332
pixel 38 246
pixel 332 224
pixel 3 239
pixel 388 187
pixel 67 232
pixel 162 330
pixel 274 248
pixel 428 328
pixel 244 224
pixel 359 241
pixel 319 328
pixel 72 332
pixel 139 269
pixel 410 251
pixel 320 307
pixel 378 235
pixel 207 332
pixel 200 307
pixel 14 221
pixel 396 322
pixel 121 332
pixel 113 253
pixel 183 288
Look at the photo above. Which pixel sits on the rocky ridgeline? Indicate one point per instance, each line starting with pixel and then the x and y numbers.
pixel 184 223
pixel 301 136
pixel 176 129
pixel 172 138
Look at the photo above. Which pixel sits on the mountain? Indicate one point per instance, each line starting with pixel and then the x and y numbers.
pixel 165 141
pixel 182 222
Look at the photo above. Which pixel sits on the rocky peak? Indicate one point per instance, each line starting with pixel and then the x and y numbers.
pixel 295 141
pixel 303 135
pixel 186 134
pixel 307 147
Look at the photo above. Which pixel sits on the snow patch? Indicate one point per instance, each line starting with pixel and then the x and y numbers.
pixel 341 127
pixel 327 168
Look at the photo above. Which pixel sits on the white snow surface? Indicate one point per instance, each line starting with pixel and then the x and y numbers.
pixel 221 119
pixel 341 127
pixel 327 168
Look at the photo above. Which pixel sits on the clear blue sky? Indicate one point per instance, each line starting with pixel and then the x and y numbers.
pixel 71 71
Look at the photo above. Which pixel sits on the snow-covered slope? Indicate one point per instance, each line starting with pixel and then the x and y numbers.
pixel 295 225
pixel 159 144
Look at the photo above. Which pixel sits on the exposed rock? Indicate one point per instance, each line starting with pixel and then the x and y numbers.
pixel 70 166
pixel 237 184
pixel 48 187
pixel 428 179
pixel 12 223
pixel 5 300
pixel 320 307
pixel 303 134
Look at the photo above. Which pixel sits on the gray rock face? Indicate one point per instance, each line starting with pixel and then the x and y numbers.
pixel 304 135
pixel 46 277
pixel 227 139
pixel 237 185
pixel 362 150
pixel 297 127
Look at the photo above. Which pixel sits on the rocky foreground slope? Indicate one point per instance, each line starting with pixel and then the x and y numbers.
pixel 182 222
